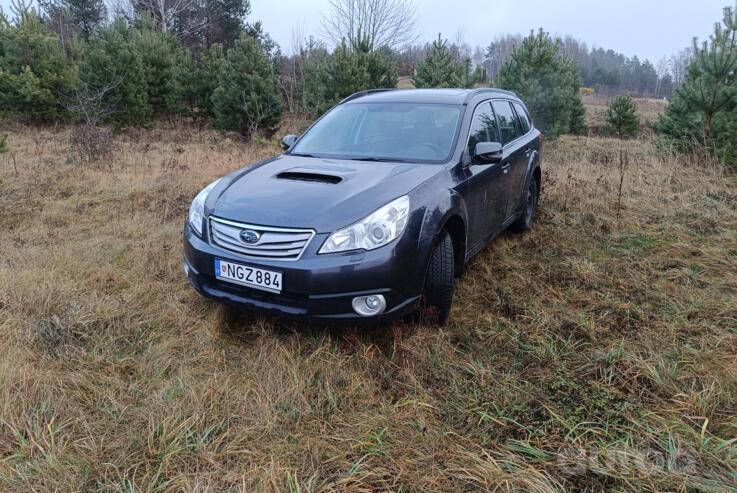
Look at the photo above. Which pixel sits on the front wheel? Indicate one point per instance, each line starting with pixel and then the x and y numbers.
pixel 530 207
pixel 437 296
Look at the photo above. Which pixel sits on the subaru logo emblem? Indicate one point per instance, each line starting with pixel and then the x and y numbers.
pixel 249 236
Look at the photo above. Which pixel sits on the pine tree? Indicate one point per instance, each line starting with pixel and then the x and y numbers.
pixel 577 125
pixel 82 16
pixel 438 68
pixel 468 76
pixel 548 82
pixel 702 115
pixel 35 72
pixel 195 82
pixel 345 72
pixel 181 96
pixel 442 68
pixel 224 21
pixel 88 15
pixel 353 70
pixel 160 56
pixel 208 67
pixel 621 117
pixel 381 68
pixel 113 61
pixel 312 79
pixel 247 96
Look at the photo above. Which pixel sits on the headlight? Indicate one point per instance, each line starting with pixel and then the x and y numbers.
pixel 378 229
pixel 197 209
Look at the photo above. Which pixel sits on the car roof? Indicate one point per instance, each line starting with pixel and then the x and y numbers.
pixel 439 96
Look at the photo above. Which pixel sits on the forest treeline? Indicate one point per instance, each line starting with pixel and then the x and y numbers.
pixel 605 71
pixel 73 60
pixel 150 58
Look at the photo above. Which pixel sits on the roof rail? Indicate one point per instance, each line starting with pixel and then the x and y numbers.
pixel 490 90
pixel 359 94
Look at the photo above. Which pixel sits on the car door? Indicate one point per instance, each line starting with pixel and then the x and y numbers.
pixel 486 199
pixel 514 163
pixel 519 174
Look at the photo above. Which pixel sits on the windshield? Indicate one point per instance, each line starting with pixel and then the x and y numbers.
pixel 383 132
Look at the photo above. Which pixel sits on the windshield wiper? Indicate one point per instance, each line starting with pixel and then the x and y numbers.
pixel 380 159
pixel 301 154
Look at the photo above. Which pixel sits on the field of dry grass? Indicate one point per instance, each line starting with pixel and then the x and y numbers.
pixel 647 109
pixel 596 352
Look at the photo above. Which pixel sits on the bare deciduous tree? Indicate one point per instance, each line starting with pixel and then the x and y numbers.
pixel 181 17
pixel 120 8
pixel 498 51
pixel 371 23
pixel 291 72
pixel 679 64
pixel 84 16
pixel 90 141
pixel 662 69
pixel 461 50
pixel 21 10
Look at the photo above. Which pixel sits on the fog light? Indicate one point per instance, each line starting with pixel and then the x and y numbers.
pixel 368 306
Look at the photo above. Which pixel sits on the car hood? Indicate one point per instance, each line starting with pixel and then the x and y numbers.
pixel 322 194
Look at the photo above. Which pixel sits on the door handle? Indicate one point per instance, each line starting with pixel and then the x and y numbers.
pixel 527 152
pixel 505 167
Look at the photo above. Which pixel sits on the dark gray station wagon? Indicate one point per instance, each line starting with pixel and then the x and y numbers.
pixel 373 212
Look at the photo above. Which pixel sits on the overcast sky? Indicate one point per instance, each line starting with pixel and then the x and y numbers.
pixel 647 28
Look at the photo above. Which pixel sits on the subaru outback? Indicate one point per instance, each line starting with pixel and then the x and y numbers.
pixel 373 212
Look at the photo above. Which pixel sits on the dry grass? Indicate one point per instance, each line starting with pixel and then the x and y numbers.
pixel 596 352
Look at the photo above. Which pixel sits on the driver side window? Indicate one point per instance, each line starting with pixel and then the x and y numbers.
pixel 483 127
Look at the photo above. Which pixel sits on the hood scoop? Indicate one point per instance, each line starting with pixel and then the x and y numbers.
pixel 308 175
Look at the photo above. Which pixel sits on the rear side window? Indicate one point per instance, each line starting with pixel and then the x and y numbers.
pixel 483 127
pixel 524 118
pixel 508 122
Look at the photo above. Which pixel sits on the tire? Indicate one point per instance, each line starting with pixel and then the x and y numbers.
pixel 437 297
pixel 529 209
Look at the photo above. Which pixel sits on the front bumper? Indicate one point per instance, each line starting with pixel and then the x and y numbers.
pixel 316 288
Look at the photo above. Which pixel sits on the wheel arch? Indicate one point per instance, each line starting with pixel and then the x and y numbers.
pixel 455 226
pixel 444 213
pixel 537 175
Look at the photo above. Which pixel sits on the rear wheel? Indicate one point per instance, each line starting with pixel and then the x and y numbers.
pixel 528 212
pixel 437 296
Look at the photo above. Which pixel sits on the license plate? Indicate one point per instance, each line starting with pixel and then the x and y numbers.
pixel 252 277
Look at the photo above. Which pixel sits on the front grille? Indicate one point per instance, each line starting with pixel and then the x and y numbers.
pixel 272 243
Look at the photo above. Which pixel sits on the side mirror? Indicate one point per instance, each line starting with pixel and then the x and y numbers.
pixel 488 152
pixel 288 141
